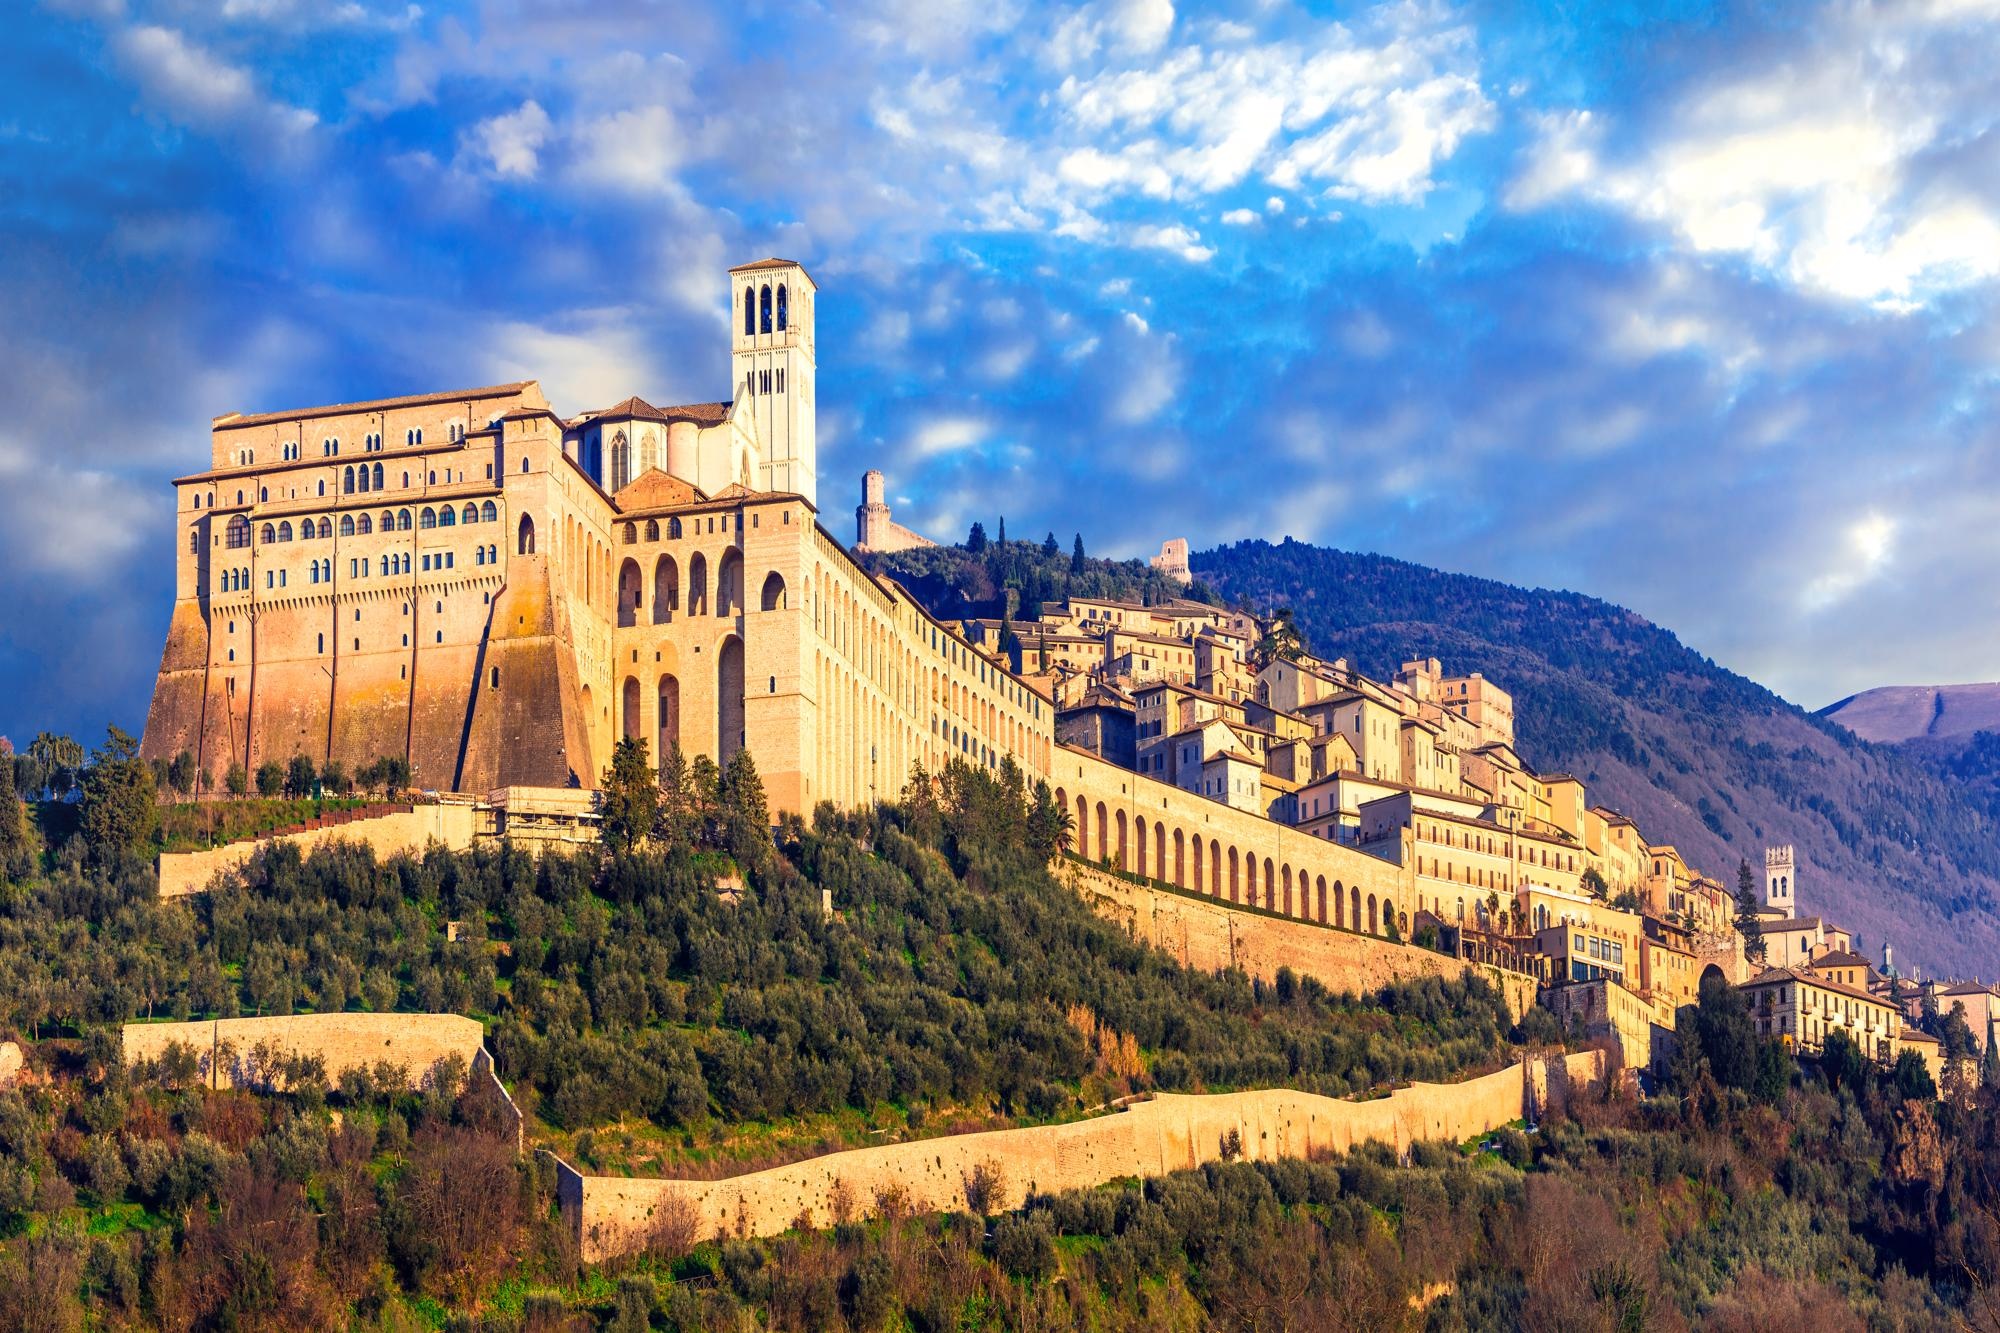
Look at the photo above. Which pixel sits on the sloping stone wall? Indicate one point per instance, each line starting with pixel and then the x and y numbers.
pixel 342 1041
pixel 410 829
pixel 612 1215
pixel 1209 934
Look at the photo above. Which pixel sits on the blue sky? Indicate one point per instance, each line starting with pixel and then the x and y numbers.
pixel 1687 306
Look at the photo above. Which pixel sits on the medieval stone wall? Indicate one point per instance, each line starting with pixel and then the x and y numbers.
pixel 1210 935
pixel 612 1215
pixel 343 1041
pixel 412 829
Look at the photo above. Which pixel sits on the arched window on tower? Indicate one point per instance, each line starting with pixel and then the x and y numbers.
pixel 527 536
pixel 749 310
pixel 782 310
pixel 764 309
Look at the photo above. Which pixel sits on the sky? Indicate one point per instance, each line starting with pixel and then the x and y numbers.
pixel 1686 306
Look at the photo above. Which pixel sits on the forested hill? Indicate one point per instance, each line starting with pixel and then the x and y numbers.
pixel 1701 757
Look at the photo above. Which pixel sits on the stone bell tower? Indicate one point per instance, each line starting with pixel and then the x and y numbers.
pixel 1780 881
pixel 773 367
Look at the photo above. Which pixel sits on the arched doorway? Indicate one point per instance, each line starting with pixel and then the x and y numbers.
pixel 666 589
pixel 525 543
pixel 729 699
pixel 773 598
pixel 629 710
pixel 670 714
pixel 629 593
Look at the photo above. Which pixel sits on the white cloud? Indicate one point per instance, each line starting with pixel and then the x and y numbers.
pixel 1175 239
pixel 511 144
pixel 201 91
pixel 638 150
pixel 600 360
pixel 1831 165
pixel 947 434
pixel 1240 217
pixel 1868 544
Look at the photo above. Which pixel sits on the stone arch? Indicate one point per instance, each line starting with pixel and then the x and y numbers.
pixel 697 601
pixel 1180 860
pixel 764 309
pixel 1270 887
pixel 666 589
pixel 669 724
pixel 773 597
pixel 1235 885
pixel 630 592
pixel 729 699
pixel 1103 834
pixel 729 583
pixel 1123 862
pixel 1139 838
pixel 1214 868
pixel 1288 890
pixel 1373 929
pixel 629 719
pixel 1082 828
pixel 1062 804
pixel 1159 850
pixel 1354 908
pixel 1322 898
pixel 525 543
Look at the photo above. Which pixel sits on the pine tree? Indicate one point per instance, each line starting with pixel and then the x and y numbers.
pixel 676 825
pixel 1747 924
pixel 1049 547
pixel 628 802
pixel 975 540
pixel 746 818
pixel 120 803
pixel 1076 556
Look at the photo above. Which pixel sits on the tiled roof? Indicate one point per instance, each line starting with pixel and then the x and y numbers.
pixel 232 420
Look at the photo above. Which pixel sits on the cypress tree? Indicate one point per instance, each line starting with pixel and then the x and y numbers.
pixel 1746 914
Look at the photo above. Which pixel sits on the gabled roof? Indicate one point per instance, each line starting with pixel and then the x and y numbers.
pixel 232 420
pixel 654 489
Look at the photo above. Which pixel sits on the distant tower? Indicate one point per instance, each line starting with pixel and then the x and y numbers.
pixel 773 365
pixel 871 517
pixel 1780 881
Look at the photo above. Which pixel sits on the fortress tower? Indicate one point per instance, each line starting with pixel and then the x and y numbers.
pixel 874 529
pixel 1780 881
pixel 773 365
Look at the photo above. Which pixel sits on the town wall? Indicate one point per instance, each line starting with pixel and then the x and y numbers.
pixel 342 1041
pixel 1209 935
pixel 612 1215
pixel 410 829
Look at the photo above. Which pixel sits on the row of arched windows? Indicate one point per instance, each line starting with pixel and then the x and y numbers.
pixel 757 309
pixel 233 580
pixel 1107 836
pixel 630 534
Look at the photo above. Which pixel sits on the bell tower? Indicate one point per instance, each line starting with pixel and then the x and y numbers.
pixel 773 369
pixel 1780 881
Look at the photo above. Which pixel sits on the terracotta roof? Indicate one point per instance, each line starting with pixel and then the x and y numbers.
pixel 1841 958
pixel 702 414
pixel 232 420
pixel 1917 1034
pixel 772 262
pixel 1808 978
pixel 1971 988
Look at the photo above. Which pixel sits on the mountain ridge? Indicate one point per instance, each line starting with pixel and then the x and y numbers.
pixel 1703 758
pixel 1896 713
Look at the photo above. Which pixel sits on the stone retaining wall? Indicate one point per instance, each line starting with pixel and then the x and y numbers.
pixel 611 1215
pixel 1210 935
pixel 342 1041
pixel 411 828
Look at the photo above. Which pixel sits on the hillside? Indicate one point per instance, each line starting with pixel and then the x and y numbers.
pixel 1892 713
pixel 1701 757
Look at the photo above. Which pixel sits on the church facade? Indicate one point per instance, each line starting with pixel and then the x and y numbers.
pixel 499 593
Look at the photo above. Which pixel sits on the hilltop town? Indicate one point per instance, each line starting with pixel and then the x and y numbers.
pixel 495 595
